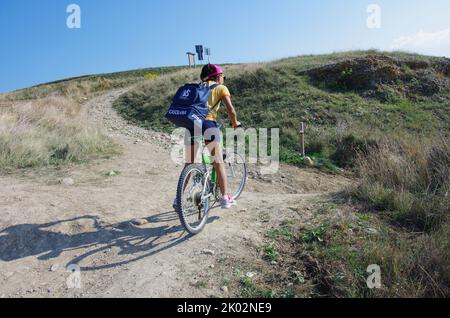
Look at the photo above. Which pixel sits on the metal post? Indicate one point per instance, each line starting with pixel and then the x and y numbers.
pixel 189 59
pixel 302 140
pixel 208 53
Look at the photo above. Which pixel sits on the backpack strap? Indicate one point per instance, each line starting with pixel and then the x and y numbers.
pixel 212 87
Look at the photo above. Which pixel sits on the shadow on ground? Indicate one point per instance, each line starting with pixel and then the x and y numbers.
pixel 87 234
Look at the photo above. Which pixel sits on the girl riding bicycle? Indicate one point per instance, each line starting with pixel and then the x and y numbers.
pixel 212 75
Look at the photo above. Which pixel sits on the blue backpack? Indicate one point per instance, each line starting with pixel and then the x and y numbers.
pixel 190 105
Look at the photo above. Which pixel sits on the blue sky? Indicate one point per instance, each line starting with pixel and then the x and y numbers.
pixel 37 46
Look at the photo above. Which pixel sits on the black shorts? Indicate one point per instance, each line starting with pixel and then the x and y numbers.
pixel 210 132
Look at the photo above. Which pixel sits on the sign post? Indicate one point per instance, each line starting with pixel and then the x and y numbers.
pixel 302 140
pixel 191 58
pixel 208 53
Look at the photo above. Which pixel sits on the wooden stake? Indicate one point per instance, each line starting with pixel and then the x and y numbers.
pixel 302 140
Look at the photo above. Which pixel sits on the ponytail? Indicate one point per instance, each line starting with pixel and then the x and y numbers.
pixel 206 70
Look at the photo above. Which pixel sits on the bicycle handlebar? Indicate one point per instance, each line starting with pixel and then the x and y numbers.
pixel 222 123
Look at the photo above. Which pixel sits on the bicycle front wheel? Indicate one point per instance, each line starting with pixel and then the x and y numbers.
pixel 236 170
pixel 192 204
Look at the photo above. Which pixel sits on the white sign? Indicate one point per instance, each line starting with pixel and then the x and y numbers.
pixel 191 58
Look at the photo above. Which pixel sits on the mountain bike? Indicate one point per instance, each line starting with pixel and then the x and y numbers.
pixel 198 187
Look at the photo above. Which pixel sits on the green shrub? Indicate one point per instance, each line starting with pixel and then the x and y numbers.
pixel 315 235
pixel 348 149
pixel 151 76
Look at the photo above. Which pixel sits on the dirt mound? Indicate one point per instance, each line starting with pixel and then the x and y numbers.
pixel 383 77
pixel 443 66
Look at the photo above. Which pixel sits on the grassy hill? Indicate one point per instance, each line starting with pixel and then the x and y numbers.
pixel 344 98
pixel 384 117
pixel 81 87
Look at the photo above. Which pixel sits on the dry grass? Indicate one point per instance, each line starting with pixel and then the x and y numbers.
pixel 80 88
pixel 164 86
pixel 76 90
pixel 46 124
pixel 48 131
pixel 409 180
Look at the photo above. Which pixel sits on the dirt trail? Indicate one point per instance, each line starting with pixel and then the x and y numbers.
pixel 46 225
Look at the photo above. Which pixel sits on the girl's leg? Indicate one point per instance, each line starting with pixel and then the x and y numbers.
pixel 191 148
pixel 216 151
pixel 191 154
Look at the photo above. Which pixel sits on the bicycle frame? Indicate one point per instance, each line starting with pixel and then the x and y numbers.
pixel 208 160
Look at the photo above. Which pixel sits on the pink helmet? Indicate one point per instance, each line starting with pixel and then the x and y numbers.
pixel 210 71
pixel 216 70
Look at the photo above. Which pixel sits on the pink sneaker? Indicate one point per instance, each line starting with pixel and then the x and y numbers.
pixel 228 202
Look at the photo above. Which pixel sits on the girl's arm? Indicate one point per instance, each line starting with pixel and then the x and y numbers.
pixel 231 112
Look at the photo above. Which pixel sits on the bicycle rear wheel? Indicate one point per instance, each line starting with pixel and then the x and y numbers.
pixel 236 170
pixel 192 207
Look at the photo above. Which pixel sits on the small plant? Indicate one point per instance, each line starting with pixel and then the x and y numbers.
pixel 226 281
pixel 246 281
pixel 112 173
pixel 251 290
pixel 290 293
pixel 347 72
pixel 60 152
pixel 264 217
pixel 270 252
pixel 201 284
pixel 326 208
pixel 315 235
pixel 348 149
pixel 248 288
